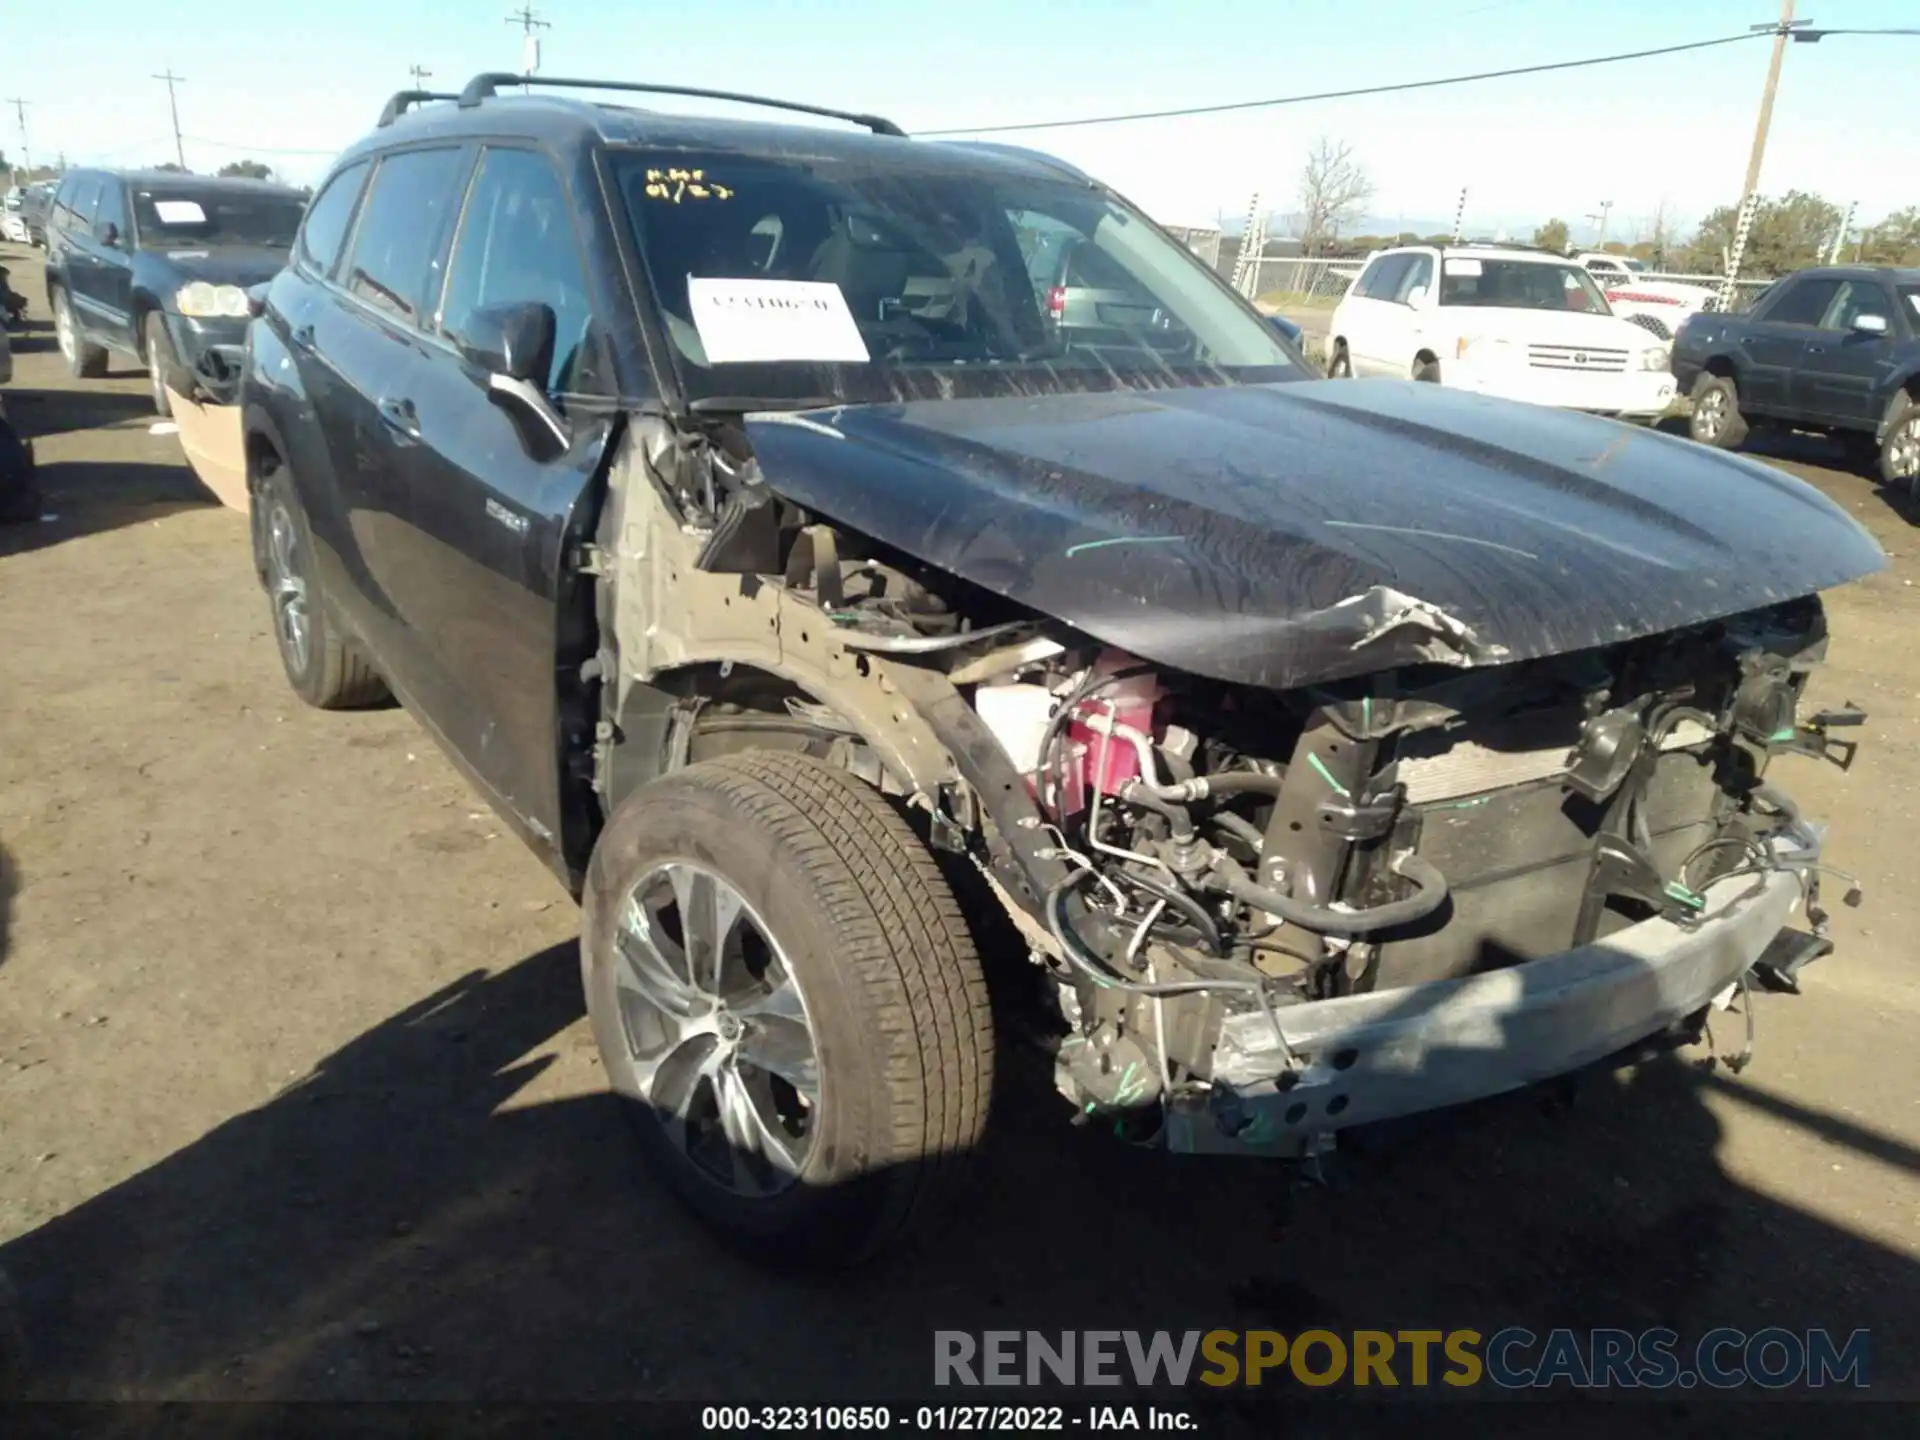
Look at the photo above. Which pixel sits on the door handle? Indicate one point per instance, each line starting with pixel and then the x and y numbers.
pixel 302 336
pixel 400 415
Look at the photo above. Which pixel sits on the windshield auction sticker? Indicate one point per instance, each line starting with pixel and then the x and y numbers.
pixel 772 320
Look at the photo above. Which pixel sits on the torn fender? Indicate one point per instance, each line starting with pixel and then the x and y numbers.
pixel 1291 534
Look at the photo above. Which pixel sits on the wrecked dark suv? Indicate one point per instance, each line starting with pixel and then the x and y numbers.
pixel 856 638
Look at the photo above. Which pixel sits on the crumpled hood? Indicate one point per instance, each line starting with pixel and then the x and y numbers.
pixel 1285 534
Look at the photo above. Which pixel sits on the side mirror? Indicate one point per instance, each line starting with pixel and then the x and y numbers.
pixel 1417 297
pixel 513 345
pixel 1869 324
pixel 511 341
pixel 1285 328
pixel 106 232
pixel 257 298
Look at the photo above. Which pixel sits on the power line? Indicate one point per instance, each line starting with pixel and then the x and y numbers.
pixel 1404 85
pixel 419 74
pixel 261 149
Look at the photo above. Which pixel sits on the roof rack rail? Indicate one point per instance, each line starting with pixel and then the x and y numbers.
pixel 404 100
pixel 484 87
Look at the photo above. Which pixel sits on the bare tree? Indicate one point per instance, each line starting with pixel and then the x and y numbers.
pixel 1334 187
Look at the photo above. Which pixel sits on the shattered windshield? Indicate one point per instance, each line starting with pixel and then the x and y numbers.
pixel 792 278
pixel 174 217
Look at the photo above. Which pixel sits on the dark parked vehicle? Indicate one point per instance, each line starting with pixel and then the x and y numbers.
pixel 155 266
pixel 725 501
pixel 1834 349
pixel 35 201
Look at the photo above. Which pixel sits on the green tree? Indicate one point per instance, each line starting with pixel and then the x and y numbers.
pixel 172 169
pixel 1787 234
pixel 1553 235
pixel 247 170
pixel 1894 241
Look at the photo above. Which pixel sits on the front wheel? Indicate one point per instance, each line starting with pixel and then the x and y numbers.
pixel 785 995
pixel 1340 367
pixel 163 368
pixel 1716 418
pixel 1426 371
pixel 1900 448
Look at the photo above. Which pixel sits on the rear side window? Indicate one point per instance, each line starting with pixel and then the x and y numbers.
pixel 328 218
pixel 517 245
pixel 1801 303
pixel 402 231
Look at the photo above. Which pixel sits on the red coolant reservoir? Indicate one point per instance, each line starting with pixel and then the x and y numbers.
pixel 1124 706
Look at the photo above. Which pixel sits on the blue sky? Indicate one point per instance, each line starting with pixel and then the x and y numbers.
pixel 273 79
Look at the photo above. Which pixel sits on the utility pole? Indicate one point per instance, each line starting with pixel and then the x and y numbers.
pixel 173 104
pixel 26 154
pixel 1460 215
pixel 420 74
pixel 1749 192
pixel 1247 240
pixel 1606 209
pixel 1840 235
pixel 528 19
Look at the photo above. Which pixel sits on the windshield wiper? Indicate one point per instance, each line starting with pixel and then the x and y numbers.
pixel 746 404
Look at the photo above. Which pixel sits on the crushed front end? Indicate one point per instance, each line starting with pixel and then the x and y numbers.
pixel 1284 913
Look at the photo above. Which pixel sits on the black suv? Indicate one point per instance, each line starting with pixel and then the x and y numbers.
pixel 1834 349
pixel 155 265
pixel 729 501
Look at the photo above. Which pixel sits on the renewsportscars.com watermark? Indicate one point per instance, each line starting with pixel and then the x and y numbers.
pixel 1510 1359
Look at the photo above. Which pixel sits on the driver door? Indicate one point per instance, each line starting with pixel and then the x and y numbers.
pixel 490 502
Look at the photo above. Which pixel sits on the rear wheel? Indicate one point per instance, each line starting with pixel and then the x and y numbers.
pixel 323 669
pixel 1716 419
pixel 85 360
pixel 1900 447
pixel 1427 370
pixel 784 992
pixel 1340 367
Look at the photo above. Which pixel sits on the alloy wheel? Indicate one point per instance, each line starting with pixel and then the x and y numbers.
pixel 153 376
pixel 63 327
pixel 1903 452
pixel 1710 414
pixel 288 588
pixel 717 1039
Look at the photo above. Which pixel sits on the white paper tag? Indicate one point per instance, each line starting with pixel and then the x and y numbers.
pixel 179 212
pixel 1463 267
pixel 748 320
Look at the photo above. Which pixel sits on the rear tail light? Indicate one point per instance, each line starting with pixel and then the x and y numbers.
pixel 1057 301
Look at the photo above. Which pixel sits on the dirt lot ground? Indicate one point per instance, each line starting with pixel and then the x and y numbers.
pixel 297 1100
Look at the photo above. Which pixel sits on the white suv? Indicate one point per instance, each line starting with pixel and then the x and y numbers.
pixel 1520 324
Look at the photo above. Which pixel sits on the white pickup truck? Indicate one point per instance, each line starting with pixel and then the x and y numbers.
pixel 1655 305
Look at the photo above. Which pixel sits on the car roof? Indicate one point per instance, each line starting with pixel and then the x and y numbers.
pixel 1893 274
pixel 564 122
pixel 1482 251
pixel 235 183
